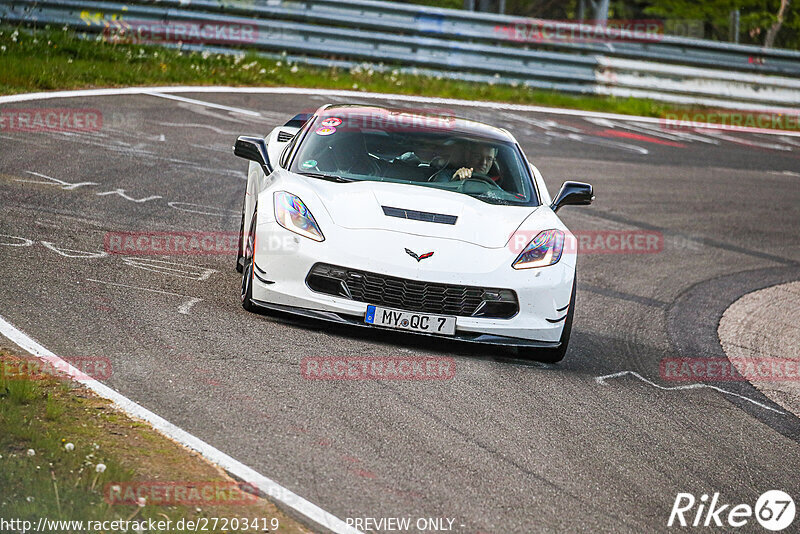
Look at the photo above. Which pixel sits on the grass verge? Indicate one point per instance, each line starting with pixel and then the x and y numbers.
pixel 59 59
pixel 53 59
pixel 68 455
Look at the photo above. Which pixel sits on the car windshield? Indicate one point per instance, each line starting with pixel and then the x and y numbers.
pixel 344 146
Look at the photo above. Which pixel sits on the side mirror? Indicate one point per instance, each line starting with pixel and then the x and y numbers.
pixel 573 194
pixel 254 149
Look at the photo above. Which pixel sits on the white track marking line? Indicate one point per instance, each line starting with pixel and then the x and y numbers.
pixel 184 308
pixel 601 380
pixel 206 104
pixel 162 91
pixel 232 466
pixel 743 141
pixel 54 181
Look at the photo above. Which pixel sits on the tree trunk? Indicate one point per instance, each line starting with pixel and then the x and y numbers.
pixel 769 40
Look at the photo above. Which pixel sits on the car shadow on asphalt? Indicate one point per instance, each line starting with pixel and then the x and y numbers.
pixel 590 354
pixel 431 345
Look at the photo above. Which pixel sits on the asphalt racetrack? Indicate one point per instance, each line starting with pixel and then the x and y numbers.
pixel 505 445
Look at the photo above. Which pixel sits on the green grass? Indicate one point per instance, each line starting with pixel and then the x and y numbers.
pixel 40 476
pixel 56 59
pixel 53 59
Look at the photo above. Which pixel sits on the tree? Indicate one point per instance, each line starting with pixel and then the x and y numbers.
pixel 769 40
pixel 767 22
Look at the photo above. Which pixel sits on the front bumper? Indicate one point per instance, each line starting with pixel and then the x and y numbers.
pixel 283 260
pixel 351 320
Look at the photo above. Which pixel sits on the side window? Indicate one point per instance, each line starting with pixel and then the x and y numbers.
pixel 285 155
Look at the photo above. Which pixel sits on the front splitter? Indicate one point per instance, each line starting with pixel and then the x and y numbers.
pixel 354 320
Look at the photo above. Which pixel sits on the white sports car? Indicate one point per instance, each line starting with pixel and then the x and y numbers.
pixel 390 219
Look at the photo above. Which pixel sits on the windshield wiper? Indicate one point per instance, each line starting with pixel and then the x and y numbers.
pixel 329 177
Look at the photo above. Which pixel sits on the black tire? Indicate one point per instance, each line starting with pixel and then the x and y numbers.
pixel 247 270
pixel 557 354
pixel 239 252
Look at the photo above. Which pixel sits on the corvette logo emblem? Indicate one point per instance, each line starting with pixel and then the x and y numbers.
pixel 418 257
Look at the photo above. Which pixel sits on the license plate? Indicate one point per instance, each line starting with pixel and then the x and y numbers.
pixel 416 322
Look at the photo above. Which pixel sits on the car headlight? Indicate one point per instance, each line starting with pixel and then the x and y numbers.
pixel 292 214
pixel 543 250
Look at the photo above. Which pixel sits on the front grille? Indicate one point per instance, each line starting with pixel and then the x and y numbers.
pixel 412 295
pixel 419 215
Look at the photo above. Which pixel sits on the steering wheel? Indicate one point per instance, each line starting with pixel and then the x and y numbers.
pixel 482 178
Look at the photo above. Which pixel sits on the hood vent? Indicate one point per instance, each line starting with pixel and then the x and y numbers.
pixel 284 137
pixel 419 215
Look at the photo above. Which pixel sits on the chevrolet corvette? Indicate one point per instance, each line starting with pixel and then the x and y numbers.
pixel 392 219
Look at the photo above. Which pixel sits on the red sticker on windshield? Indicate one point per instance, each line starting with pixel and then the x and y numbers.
pixel 331 121
pixel 326 130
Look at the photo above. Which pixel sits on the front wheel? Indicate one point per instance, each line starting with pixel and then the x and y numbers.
pixel 239 248
pixel 247 270
pixel 557 354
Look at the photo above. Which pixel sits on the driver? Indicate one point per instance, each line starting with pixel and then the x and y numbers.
pixel 473 157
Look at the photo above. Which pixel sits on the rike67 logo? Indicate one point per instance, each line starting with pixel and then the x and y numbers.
pixel 774 510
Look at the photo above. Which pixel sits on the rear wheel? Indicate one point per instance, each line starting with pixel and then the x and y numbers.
pixel 556 354
pixel 247 270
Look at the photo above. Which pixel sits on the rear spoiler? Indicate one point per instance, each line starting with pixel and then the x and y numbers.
pixel 299 120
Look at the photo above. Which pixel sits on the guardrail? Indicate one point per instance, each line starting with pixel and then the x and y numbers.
pixel 460 44
pixel 500 29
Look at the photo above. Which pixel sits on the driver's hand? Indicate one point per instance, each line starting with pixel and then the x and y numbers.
pixel 463 173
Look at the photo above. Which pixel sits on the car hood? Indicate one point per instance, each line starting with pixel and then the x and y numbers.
pixel 360 205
